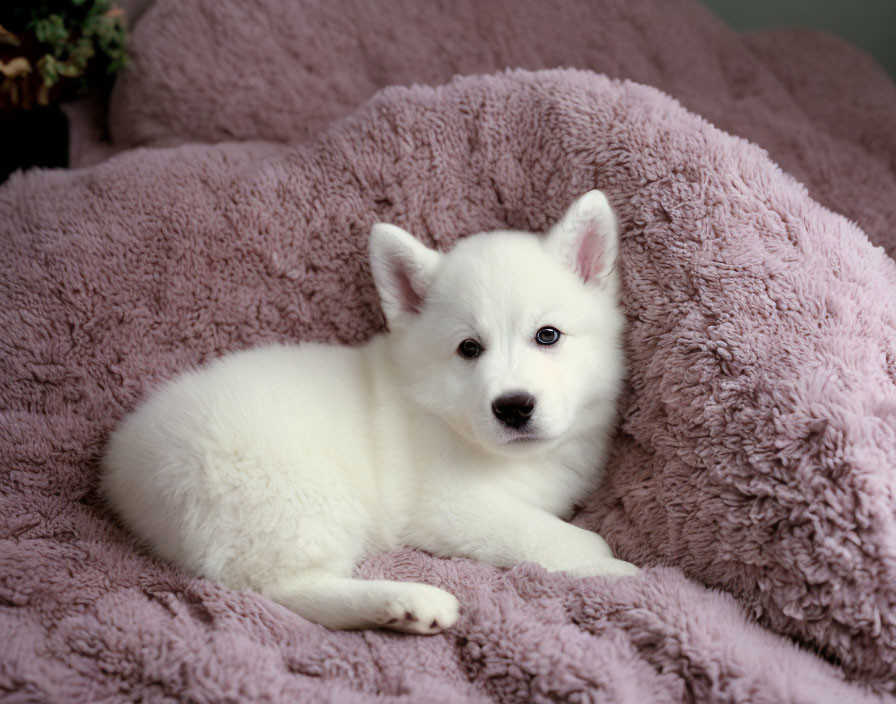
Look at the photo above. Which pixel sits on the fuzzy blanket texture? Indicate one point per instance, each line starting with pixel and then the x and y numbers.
pixel 753 472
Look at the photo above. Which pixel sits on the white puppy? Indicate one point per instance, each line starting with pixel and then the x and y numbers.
pixel 481 417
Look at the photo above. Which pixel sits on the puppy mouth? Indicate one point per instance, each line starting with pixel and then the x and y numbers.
pixel 523 439
pixel 526 438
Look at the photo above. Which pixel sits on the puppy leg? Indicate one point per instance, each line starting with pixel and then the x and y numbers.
pixel 505 533
pixel 344 603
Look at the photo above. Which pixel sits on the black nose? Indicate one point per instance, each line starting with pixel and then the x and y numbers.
pixel 514 409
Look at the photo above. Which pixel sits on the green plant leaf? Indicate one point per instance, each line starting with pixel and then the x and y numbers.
pixel 49 69
pixel 80 38
pixel 51 30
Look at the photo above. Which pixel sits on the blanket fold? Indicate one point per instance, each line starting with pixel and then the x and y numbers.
pixel 284 70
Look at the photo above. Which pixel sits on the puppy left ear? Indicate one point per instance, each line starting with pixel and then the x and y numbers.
pixel 403 270
pixel 586 239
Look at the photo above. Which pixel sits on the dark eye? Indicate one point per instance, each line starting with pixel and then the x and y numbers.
pixel 547 336
pixel 469 348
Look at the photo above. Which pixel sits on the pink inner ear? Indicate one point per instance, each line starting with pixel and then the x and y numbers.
pixel 589 254
pixel 411 301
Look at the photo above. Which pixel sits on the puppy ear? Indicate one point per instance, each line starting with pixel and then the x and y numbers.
pixel 586 239
pixel 403 270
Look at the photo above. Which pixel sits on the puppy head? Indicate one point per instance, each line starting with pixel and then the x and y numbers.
pixel 511 338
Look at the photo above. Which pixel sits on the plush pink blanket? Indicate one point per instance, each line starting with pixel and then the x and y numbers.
pixel 753 468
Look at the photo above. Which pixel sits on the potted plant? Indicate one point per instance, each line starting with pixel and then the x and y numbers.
pixel 51 51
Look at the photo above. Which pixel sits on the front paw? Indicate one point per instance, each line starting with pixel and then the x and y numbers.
pixel 421 609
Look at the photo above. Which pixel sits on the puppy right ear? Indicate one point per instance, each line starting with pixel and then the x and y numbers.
pixel 403 270
pixel 586 239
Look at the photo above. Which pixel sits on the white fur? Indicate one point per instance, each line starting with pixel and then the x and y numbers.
pixel 277 469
